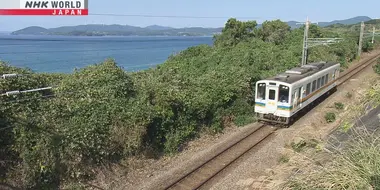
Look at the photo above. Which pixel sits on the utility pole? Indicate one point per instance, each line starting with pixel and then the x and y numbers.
pixel 305 37
pixel 361 39
pixel 373 34
pixel 312 42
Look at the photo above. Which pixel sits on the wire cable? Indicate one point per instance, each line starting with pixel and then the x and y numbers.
pixel 169 16
pixel 41 97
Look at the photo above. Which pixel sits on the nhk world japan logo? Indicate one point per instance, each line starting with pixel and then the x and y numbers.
pixel 46 7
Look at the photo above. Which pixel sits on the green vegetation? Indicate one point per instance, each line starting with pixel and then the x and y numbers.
pixel 284 159
pixel 345 126
pixel 339 105
pixel 300 144
pixel 330 117
pixel 101 114
pixel 357 166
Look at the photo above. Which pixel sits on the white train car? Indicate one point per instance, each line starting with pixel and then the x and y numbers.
pixel 279 98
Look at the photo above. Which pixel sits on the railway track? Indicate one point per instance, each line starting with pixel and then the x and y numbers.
pixel 355 70
pixel 204 172
pixel 207 170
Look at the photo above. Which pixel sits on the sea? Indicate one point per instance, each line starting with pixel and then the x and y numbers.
pixel 62 54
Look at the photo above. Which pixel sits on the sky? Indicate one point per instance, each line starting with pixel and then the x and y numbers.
pixel 259 10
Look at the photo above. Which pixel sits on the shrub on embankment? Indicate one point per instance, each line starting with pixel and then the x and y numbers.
pixel 101 114
pixel 356 166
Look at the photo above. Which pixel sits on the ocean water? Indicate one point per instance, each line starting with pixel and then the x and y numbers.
pixel 64 53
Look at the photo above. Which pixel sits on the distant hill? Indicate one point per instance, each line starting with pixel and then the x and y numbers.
pixel 115 29
pixel 157 27
pixel 349 21
pixel 153 30
pixel 33 30
pixel 354 20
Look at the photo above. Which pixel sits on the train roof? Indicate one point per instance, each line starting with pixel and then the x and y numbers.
pixel 298 73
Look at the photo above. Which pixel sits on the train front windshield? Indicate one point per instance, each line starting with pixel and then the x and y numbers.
pixel 283 94
pixel 261 89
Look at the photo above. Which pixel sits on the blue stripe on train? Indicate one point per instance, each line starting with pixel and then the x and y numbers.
pixel 260 104
pixel 278 107
pixel 284 107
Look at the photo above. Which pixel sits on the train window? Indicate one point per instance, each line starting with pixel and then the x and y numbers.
pixel 261 91
pixel 314 85
pixel 272 94
pixel 308 88
pixel 283 94
pixel 327 78
pixel 323 81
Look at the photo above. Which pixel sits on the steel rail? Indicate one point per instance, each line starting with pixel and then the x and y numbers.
pixel 234 160
pixel 355 70
pixel 189 173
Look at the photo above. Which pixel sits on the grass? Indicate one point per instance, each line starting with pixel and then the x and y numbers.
pixel 355 167
pixel 284 159
pixel 344 127
pixel 339 105
pixel 243 120
pixel 330 117
pixel 301 144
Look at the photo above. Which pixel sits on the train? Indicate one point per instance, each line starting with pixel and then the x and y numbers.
pixel 281 98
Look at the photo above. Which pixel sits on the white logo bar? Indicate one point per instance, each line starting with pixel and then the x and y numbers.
pixel 52 4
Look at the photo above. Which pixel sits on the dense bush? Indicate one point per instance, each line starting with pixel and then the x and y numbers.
pixel 367 46
pixel 101 113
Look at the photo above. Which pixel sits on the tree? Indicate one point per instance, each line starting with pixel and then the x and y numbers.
pixel 274 31
pixel 315 31
pixel 234 32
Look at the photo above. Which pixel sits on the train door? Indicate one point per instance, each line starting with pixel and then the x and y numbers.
pixel 272 92
pixel 295 98
pixel 301 95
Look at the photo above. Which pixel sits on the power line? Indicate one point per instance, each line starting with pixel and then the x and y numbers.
pixel 169 16
pixel 41 97
pixel 15 92
pixel 12 75
pixel 16 75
